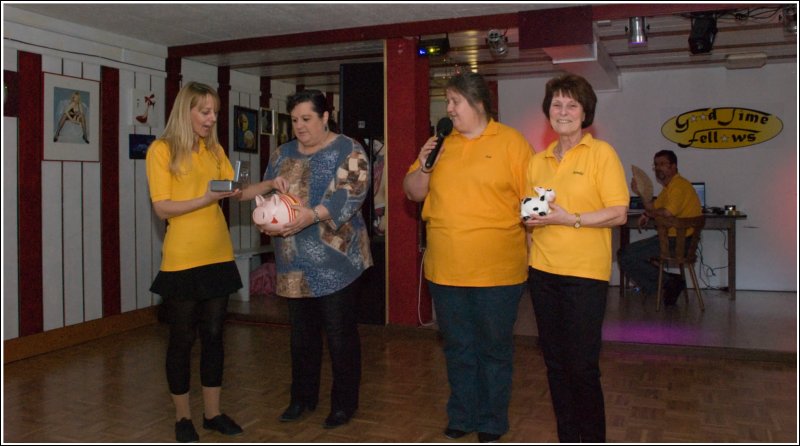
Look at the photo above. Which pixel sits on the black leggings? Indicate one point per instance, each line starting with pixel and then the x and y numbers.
pixel 185 316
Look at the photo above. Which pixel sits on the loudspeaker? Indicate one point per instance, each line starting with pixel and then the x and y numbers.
pixel 361 115
pixel 704 30
pixel 361 100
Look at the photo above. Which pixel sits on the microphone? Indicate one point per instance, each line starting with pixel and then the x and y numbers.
pixel 443 128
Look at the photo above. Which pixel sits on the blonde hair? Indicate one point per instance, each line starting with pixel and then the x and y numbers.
pixel 179 135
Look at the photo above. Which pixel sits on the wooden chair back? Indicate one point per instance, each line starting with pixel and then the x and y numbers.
pixel 684 227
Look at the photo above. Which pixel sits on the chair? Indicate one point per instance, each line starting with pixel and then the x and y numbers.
pixel 679 254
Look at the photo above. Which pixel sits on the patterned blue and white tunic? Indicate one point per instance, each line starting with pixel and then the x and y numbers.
pixel 326 257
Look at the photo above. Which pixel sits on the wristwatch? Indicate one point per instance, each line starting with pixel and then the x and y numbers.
pixel 577 220
pixel 316 215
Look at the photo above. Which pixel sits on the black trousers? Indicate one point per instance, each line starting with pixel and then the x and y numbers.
pixel 187 317
pixel 569 315
pixel 336 315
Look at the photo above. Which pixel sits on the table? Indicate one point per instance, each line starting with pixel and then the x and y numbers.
pixel 713 221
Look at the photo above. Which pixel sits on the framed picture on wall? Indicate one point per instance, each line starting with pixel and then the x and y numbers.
pixel 245 126
pixel 284 128
pixel 144 108
pixel 71 118
pixel 267 121
pixel 138 145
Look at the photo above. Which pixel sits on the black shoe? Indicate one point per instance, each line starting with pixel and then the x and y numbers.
pixel 184 432
pixel 485 437
pixel 336 419
pixel 672 289
pixel 296 409
pixel 222 424
pixel 454 434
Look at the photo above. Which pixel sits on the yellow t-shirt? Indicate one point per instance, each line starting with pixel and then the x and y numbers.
pixel 474 232
pixel 589 177
pixel 680 199
pixel 199 237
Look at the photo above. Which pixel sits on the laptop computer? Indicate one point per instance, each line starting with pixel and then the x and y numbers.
pixel 700 188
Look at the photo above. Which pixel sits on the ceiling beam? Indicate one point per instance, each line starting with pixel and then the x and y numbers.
pixel 359 34
pixel 621 10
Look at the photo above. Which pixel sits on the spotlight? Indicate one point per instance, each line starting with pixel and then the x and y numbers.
pixel 790 19
pixel 637 32
pixel 498 43
pixel 704 30
pixel 433 47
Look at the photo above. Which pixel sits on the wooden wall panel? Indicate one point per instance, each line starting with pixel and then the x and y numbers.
pixel 127 207
pixel 73 234
pixel 143 219
pixel 52 276
pixel 93 229
pixel 30 183
pixel 10 215
pixel 108 195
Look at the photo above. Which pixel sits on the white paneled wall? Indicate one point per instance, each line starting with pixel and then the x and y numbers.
pixel 10 215
pixel 71 251
pixel 141 232
pixel 72 191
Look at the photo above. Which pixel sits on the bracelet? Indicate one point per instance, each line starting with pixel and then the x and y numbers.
pixel 316 215
pixel 425 171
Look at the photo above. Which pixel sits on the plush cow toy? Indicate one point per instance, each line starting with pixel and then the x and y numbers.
pixel 537 205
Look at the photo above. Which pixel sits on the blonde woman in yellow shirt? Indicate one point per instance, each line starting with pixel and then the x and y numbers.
pixel 475 256
pixel 197 272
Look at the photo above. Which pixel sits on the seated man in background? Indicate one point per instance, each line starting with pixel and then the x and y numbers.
pixel 677 198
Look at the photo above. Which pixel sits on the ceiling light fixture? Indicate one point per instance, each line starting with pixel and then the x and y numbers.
pixel 790 19
pixel 498 43
pixel 704 30
pixel 433 47
pixel 637 32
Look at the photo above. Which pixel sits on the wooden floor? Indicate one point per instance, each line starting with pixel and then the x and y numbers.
pixel 114 390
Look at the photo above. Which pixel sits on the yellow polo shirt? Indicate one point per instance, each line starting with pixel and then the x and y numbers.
pixel 680 199
pixel 589 177
pixel 474 232
pixel 199 237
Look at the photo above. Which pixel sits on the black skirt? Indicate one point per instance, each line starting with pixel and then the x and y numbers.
pixel 200 283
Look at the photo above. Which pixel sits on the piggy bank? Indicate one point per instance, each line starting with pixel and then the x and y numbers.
pixel 274 211
pixel 537 205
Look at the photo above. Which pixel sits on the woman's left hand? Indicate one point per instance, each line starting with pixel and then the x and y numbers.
pixel 557 216
pixel 305 218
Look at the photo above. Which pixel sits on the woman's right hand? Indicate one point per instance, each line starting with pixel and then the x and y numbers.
pixel 281 183
pixel 425 151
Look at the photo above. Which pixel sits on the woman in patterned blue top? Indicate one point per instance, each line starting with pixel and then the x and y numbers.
pixel 320 255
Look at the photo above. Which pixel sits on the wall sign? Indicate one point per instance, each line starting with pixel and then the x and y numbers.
pixel 721 128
